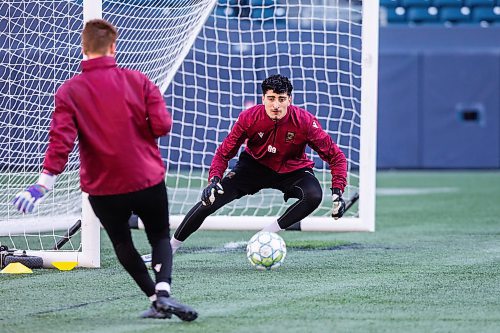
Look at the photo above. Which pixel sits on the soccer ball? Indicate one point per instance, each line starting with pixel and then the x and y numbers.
pixel 266 250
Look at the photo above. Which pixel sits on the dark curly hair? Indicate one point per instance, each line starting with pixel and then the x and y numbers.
pixel 277 83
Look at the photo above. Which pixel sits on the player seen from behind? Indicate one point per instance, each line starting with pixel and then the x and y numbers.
pixel 115 113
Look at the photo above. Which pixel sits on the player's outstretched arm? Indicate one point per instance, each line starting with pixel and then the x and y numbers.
pixel 329 151
pixel 211 191
pixel 338 203
pixel 25 201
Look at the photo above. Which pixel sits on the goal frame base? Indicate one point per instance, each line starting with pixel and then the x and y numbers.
pixel 83 259
pixel 346 224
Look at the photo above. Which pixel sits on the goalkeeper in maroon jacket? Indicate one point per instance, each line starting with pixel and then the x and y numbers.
pixel 117 115
pixel 276 135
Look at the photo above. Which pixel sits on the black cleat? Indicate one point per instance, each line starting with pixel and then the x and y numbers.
pixel 169 306
pixel 154 313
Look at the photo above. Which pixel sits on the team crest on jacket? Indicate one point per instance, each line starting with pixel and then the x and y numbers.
pixel 289 136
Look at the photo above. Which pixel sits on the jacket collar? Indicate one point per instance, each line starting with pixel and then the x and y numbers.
pixel 101 62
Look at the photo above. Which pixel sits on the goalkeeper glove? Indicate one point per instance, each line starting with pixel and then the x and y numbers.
pixel 338 203
pixel 25 201
pixel 211 191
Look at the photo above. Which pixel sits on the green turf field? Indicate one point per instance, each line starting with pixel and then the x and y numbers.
pixel 433 265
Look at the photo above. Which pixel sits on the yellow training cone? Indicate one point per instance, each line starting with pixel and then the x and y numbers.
pixel 64 265
pixel 16 268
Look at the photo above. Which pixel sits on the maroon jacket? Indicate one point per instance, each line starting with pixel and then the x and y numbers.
pixel 280 145
pixel 117 114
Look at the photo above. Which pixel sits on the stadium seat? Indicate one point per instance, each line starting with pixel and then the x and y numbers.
pixel 389 3
pixel 227 2
pixel 447 3
pixel 448 12
pixel 486 14
pixel 455 15
pixel 260 3
pixel 262 13
pixel 223 10
pixel 416 3
pixel 261 9
pixel 396 15
pixel 422 15
pixel 476 3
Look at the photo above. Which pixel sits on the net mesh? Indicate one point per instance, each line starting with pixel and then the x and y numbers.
pixel 209 70
pixel 317 44
pixel 39 50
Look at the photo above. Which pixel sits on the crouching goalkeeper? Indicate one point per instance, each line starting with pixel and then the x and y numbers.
pixel 276 134
pixel 115 113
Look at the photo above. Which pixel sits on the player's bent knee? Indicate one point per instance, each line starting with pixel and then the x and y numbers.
pixel 313 198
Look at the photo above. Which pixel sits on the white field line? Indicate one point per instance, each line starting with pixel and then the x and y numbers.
pixel 388 191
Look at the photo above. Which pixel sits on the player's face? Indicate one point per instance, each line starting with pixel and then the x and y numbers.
pixel 276 104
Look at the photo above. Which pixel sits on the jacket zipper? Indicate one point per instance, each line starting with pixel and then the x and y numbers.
pixel 275 130
pixel 274 141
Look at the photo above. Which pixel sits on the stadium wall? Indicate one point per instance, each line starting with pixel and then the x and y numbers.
pixel 439 101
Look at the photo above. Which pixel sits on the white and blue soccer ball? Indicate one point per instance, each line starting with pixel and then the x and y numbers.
pixel 266 250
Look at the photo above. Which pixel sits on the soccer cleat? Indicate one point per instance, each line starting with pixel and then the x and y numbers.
pixel 154 313
pixel 169 306
pixel 147 260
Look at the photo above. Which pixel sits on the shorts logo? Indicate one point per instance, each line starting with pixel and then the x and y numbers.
pixel 261 134
pixel 231 174
pixel 289 136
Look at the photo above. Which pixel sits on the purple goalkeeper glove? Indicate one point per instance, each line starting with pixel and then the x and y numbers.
pixel 338 203
pixel 211 191
pixel 25 201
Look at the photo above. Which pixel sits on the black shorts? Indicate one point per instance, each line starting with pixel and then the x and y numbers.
pixel 249 177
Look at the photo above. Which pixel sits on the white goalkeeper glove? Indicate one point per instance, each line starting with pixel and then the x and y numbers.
pixel 211 191
pixel 338 203
pixel 25 201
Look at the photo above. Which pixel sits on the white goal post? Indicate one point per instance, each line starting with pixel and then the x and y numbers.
pixel 209 58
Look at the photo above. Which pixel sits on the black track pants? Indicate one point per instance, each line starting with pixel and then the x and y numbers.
pixel 151 205
pixel 249 177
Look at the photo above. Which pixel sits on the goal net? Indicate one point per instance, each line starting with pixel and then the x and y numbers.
pixel 328 48
pixel 209 59
pixel 39 50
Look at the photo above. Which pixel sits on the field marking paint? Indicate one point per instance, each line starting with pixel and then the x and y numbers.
pixel 396 191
